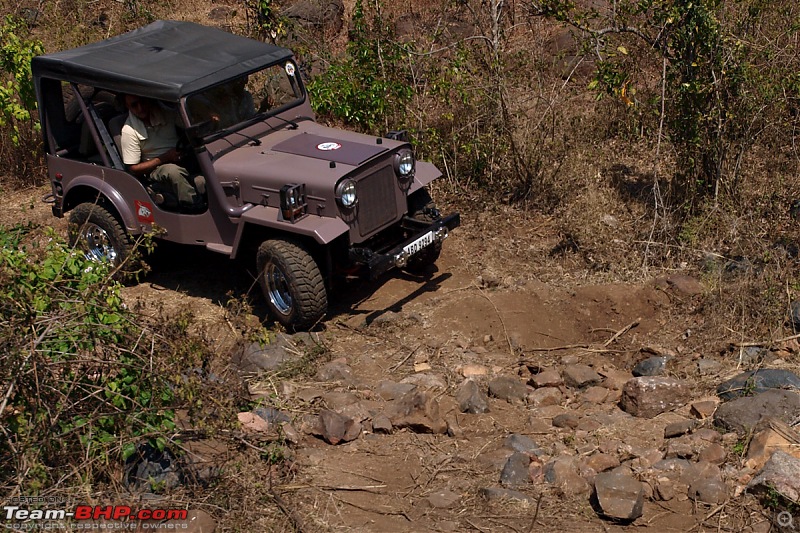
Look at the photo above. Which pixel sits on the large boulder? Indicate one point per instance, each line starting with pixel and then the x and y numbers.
pixel 317 14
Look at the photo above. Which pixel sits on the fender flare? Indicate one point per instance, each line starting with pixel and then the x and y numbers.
pixel 426 173
pixel 322 230
pixel 103 187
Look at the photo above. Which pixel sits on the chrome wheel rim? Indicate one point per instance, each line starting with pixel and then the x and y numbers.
pixel 278 289
pixel 98 244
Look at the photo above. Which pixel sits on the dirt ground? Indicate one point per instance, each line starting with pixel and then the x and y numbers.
pixel 498 299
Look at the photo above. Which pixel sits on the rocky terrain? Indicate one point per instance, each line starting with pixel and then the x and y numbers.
pixel 511 389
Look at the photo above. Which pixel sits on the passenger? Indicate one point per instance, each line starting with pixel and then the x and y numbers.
pixel 149 140
pixel 224 105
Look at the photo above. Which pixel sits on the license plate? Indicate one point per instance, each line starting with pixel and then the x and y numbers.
pixel 419 244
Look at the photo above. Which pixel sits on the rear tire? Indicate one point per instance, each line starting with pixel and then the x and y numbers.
pixel 292 284
pixel 422 207
pixel 94 230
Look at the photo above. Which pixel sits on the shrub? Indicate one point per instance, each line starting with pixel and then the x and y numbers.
pixel 19 125
pixel 369 86
pixel 83 381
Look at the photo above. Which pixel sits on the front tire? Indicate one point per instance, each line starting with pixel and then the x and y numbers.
pixel 94 230
pixel 292 284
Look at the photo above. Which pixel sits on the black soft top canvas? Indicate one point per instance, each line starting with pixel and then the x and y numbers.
pixel 165 60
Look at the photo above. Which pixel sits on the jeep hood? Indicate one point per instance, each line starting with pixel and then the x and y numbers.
pixel 311 154
pixel 329 148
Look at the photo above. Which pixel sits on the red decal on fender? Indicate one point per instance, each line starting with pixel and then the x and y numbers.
pixel 144 212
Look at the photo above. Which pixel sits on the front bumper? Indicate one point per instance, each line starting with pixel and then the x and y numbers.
pixel 376 263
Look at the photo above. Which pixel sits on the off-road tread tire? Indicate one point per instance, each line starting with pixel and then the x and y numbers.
pixel 419 205
pixel 98 214
pixel 309 295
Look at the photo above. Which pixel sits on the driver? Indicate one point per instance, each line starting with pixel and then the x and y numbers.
pixel 149 139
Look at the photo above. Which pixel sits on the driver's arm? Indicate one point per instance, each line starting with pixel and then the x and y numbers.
pixel 132 155
pixel 146 167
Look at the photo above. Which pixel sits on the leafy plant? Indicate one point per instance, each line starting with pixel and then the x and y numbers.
pixel 80 379
pixel 19 125
pixel 264 20
pixel 370 85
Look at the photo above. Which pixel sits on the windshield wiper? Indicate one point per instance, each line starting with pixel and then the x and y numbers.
pixel 292 124
pixel 227 131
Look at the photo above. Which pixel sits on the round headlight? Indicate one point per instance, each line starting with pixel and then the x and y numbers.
pixel 346 193
pixel 404 163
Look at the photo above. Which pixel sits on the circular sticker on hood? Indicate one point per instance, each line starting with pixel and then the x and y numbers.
pixel 328 146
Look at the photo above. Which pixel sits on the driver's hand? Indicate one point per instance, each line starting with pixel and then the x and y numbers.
pixel 171 156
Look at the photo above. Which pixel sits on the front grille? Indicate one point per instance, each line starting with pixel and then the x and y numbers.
pixel 377 204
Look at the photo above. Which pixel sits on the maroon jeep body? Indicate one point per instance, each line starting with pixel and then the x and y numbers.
pixel 313 203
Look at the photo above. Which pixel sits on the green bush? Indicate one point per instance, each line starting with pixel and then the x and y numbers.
pixel 370 86
pixel 19 125
pixel 82 380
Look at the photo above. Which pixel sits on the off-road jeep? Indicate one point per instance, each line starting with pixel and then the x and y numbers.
pixel 314 204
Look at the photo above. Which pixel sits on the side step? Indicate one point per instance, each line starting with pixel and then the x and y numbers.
pixel 219 248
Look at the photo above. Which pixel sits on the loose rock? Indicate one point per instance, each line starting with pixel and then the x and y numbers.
pixel 595 395
pixel 706 483
pixel 474 371
pixel 426 381
pixel 418 411
pixel 761 380
pixel 521 443
pixel 579 376
pixel 544 396
pixel 664 489
pixel 600 462
pixel 704 409
pixel 566 420
pixel 547 378
pixel 272 415
pixel 252 423
pixel 389 390
pixel 381 424
pixel 782 474
pixel 338 400
pixel 563 473
pixel 508 389
pixel 443 499
pixel 652 366
pixel 764 444
pixel 742 415
pixel 471 399
pixel 676 429
pixel 335 428
pixel 714 454
pixel 647 397
pixel 618 496
pixel 708 367
pixel 515 471
pixel 335 371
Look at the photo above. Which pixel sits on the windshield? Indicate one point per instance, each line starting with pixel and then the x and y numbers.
pixel 240 99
